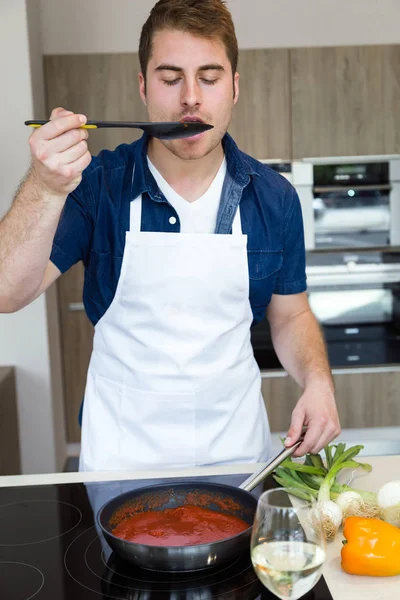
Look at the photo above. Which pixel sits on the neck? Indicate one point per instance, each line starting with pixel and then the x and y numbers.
pixel 189 178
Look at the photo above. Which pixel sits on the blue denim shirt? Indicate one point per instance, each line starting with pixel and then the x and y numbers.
pixel 95 219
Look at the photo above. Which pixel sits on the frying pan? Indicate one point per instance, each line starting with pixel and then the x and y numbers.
pixel 227 499
pixel 163 131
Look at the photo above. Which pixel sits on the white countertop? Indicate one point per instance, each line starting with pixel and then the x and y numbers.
pixel 352 587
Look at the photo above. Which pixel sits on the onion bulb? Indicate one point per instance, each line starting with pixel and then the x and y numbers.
pixel 352 504
pixel 388 498
pixel 331 518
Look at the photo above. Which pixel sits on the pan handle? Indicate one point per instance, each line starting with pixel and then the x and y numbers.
pixel 251 482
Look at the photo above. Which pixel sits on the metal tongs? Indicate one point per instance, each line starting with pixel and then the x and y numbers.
pixel 251 482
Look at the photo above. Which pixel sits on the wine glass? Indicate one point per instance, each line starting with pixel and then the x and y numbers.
pixel 288 546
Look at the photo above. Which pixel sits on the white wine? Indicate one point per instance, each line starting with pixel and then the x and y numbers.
pixel 288 569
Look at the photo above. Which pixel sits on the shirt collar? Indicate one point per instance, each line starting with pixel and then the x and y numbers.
pixel 143 181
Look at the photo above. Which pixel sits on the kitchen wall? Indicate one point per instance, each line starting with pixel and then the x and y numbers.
pixel 85 26
pixel 28 339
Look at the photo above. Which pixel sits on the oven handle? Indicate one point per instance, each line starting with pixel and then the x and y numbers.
pixel 342 188
pixel 352 279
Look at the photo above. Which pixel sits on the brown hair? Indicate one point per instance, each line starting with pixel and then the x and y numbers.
pixel 204 18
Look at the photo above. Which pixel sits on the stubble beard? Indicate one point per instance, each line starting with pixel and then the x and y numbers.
pixel 194 150
pixel 186 149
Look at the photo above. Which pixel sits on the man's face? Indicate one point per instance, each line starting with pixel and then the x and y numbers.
pixel 190 78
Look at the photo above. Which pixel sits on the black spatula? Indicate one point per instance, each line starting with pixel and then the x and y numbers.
pixel 163 131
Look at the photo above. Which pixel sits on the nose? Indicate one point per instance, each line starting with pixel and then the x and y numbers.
pixel 191 93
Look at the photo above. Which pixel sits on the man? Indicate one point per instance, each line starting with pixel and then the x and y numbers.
pixel 184 243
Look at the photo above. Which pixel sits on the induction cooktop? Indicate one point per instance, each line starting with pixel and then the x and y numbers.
pixel 51 549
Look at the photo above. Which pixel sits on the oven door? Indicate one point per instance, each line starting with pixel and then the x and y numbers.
pixel 351 217
pixel 357 308
pixel 358 311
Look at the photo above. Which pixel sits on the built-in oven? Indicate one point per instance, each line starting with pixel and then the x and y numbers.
pixel 350 202
pixel 356 299
pixel 351 205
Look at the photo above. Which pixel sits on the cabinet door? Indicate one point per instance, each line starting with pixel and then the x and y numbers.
pixel 368 399
pixel 364 399
pixel 76 345
pixel 280 396
pixel 261 124
pixel 10 460
pixel 345 100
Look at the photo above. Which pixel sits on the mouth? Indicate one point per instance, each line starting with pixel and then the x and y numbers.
pixel 191 120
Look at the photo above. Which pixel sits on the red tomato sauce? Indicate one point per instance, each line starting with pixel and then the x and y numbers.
pixel 181 526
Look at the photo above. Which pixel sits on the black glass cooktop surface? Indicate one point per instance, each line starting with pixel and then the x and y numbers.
pixel 51 549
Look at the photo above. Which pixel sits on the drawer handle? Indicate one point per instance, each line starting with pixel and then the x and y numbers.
pixel 76 307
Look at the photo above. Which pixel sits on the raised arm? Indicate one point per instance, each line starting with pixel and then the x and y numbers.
pixel 59 156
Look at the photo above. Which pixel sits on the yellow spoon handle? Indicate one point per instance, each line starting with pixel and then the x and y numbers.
pixel 36 125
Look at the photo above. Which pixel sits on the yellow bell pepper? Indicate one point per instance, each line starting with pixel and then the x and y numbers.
pixel 372 547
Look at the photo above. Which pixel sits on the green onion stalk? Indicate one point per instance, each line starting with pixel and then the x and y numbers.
pixel 314 479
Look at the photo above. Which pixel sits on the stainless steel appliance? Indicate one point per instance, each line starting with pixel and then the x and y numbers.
pixel 356 299
pixel 300 175
pixel 350 202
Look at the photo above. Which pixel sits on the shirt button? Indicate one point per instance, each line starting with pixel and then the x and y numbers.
pixel 172 220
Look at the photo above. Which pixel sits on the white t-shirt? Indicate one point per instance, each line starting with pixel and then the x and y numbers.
pixel 199 216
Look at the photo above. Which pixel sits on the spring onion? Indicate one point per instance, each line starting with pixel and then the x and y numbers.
pixel 353 505
pixel 349 503
pixel 319 480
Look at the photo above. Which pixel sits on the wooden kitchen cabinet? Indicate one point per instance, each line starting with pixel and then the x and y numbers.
pixel 10 461
pixel 345 100
pixel 364 399
pixel 261 124
pixel 102 87
pixel 334 101
pixel 76 345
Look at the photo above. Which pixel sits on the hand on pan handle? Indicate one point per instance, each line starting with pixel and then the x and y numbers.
pixel 315 411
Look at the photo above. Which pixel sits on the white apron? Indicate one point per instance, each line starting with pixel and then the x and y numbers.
pixel 172 380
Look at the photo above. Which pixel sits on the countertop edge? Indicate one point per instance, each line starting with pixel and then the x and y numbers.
pixel 93 476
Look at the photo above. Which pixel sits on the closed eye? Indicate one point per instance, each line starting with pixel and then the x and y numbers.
pixel 175 81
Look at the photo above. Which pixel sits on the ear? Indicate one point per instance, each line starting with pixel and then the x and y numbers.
pixel 236 88
pixel 142 88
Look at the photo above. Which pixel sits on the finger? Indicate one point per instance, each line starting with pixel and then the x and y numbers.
pixel 59 112
pixel 311 438
pixel 296 427
pixel 321 443
pixel 57 127
pixel 72 173
pixel 65 141
pixel 72 154
pixel 327 436
pixel 77 167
